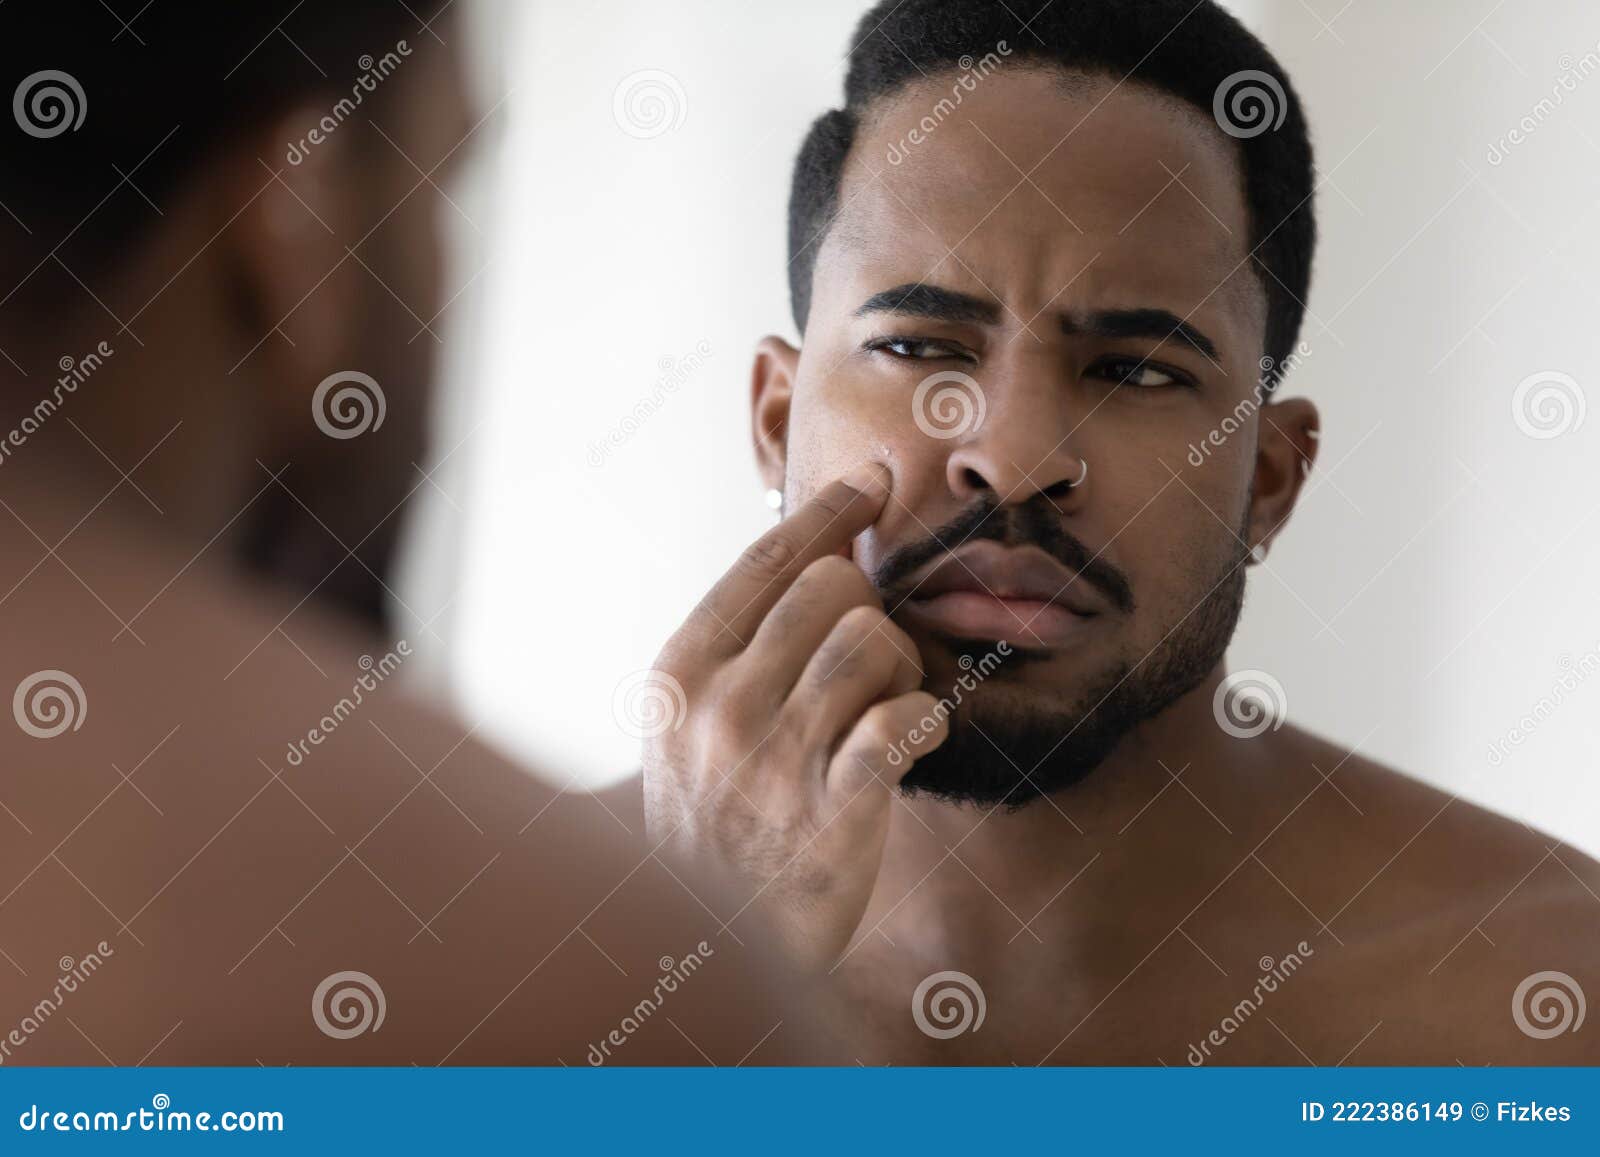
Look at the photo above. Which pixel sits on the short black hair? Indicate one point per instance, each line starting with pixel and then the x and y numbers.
pixel 110 104
pixel 1186 49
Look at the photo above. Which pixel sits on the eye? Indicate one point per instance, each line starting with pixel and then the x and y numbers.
pixel 1139 374
pixel 917 349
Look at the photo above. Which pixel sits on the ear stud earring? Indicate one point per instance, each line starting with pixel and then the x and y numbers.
pixel 775 501
pixel 1258 553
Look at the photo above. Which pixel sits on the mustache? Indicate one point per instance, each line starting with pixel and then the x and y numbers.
pixel 1036 523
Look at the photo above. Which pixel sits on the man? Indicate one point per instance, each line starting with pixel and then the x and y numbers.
pixel 229 835
pixel 962 721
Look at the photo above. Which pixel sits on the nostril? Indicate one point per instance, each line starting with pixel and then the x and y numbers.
pixel 974 480
pixel 1058 490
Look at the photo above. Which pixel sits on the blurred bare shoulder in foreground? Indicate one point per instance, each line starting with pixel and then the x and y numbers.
pixel 231 835
pixel 222 807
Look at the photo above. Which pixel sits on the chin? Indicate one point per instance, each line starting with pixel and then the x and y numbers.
pixel 1022 735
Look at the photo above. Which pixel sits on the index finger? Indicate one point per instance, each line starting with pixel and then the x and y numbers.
pixel 734 608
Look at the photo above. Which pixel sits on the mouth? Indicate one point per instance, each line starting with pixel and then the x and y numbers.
pixel 1015 595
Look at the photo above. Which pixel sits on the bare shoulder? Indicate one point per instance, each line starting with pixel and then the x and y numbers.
pixel 1468 935
pixel 232 812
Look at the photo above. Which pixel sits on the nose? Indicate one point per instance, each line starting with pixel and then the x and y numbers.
pixel 1022 447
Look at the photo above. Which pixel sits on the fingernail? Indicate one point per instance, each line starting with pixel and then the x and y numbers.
pixel 869 478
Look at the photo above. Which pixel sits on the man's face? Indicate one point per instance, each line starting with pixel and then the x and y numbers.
pixel 1079 252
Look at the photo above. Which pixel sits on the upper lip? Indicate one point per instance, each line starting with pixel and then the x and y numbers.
pixel 1009 572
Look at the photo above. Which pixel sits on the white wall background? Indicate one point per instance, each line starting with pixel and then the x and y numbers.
pixel 1439 576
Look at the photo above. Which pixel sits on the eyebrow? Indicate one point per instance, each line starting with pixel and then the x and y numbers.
pixel 930 301
pixel 938 304
pixel 1161 324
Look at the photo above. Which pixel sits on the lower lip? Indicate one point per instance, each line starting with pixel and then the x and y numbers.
pixel 1020 622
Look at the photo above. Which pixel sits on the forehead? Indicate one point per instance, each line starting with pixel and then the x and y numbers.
pixel 1042 186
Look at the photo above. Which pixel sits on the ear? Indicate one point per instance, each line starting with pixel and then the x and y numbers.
pixel 1286 446
pixel 290 237
pixel 771 391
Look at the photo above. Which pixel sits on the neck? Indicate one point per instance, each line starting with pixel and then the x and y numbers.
pixel 162 454
pixel 1173 807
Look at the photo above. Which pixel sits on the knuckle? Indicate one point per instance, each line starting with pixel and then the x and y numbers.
pixel 849 648
pixel 770 555
pixel 834 503
pixel 859 622
pixel 829 569
pixel 876 733
pixel 734 701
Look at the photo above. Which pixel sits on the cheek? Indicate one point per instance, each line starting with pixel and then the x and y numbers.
pixel 1179 551
pixel 841 420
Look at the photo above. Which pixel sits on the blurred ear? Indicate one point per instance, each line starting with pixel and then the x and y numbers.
pixel 290 237
pixel 1286 447
pixel 771 391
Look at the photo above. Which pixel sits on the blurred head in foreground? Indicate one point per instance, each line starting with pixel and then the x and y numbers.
pixel 220 249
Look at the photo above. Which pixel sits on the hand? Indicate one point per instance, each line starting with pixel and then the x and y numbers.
pixel 798 687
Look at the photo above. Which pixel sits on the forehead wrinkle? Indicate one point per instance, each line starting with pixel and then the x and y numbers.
pixel 912 206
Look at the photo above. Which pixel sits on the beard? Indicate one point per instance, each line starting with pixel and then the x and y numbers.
pixel 1004 749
